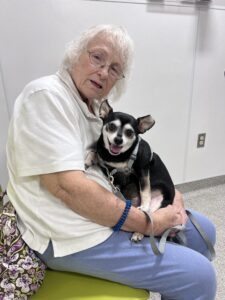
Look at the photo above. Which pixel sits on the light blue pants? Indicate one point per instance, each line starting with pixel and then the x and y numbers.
pixel 182 273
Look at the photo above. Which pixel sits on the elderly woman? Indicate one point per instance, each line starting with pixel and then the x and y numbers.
pixel 66 213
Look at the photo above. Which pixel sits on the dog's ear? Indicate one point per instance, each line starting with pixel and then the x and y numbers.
pixel 145 123
pixel 104 109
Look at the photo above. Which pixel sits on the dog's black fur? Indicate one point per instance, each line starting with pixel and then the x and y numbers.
pixel 146 164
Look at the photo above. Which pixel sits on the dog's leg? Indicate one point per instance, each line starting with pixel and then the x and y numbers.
pixel 145 195
pixel 91 159
pixel 145 192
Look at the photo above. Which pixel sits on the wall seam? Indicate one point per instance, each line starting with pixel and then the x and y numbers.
pixel 191 102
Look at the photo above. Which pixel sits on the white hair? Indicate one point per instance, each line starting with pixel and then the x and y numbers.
pixel 119 38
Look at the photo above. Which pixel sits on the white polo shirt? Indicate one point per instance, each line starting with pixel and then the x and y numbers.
pixel 51 131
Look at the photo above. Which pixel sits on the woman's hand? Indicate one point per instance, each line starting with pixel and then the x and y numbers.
pixel 169 216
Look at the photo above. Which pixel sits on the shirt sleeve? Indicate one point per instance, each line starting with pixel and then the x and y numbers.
pixel 46 135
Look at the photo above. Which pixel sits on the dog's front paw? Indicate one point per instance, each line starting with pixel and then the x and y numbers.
pixel 145 207
pixel 91 159
pixel 137 237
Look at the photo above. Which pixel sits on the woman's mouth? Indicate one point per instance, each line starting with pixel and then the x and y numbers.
pixel 96 84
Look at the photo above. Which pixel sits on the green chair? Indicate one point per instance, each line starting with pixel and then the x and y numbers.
pixel 72 286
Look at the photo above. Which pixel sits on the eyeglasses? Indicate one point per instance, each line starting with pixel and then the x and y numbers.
pixel 98 60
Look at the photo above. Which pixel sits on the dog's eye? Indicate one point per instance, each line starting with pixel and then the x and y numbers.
pixel 129 133
pixel 112 127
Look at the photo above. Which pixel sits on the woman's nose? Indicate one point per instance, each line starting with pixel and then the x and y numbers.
pixel 104 71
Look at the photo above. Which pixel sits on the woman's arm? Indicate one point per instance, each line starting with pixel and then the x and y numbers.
pixel 89 199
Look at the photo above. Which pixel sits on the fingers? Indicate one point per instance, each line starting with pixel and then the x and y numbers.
pixel 179 204
pixel 184 216
pixel 178 199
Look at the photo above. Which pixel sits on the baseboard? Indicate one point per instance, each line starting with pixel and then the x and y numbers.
pixel 200 184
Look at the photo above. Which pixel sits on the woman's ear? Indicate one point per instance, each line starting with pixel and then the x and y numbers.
pixel 145 123
pixel 105 109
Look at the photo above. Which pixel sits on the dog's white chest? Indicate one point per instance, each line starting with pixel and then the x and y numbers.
pixel 120 166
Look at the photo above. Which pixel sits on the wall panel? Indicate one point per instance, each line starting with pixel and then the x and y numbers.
pixel 169 79
pixel 208 101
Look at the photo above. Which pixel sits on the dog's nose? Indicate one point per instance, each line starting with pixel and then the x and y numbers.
pixel 118 140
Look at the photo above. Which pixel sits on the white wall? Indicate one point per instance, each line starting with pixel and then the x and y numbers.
pixel 4 120
pixel 208 101
pixel 174 46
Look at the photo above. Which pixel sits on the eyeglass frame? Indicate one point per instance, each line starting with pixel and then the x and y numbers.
pixel 100 66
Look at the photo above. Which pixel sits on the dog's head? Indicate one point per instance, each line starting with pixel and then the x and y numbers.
pixel 120 130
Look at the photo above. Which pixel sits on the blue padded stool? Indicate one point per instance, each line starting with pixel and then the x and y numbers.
pixel 72 286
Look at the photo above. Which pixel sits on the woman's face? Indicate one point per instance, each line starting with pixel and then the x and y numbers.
pixel 95 82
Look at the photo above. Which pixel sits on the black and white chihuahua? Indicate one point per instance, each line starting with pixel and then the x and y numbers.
pixel 126 157
pixel 129 164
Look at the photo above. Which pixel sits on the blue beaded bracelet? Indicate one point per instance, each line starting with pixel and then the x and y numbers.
pixel 121 221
